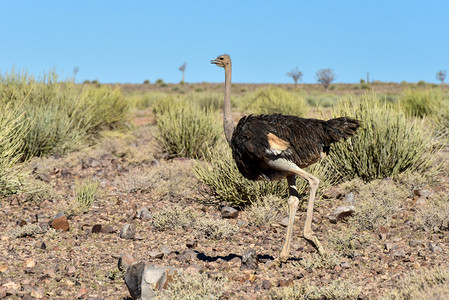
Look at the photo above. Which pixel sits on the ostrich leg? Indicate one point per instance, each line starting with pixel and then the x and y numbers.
pixel 293 202
pixel 308 233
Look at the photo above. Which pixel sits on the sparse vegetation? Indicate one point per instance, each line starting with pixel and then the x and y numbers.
pixel 325 77
pixel 422 102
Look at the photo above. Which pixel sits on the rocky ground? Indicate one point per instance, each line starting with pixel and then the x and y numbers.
pixel 80 259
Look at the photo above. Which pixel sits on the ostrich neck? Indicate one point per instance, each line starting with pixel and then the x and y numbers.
pixel 228 125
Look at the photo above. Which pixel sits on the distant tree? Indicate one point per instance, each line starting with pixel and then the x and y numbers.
pixel 146 81
pixel 182 69
pixel 441 76
pixel 325 77
pixel 296 75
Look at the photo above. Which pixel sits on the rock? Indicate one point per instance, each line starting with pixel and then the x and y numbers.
pixel 37 293
pixel 333 193
pixel 422 193
pixel 96 228
pixel 128 231
pixel 156 254
pixel 229 212
pixel 3 290
pixel 187 255
pixel 421 254
pixel 30 263
pixel 399 254
pixel 144 214
pixel 192 244
pixel 125 261
pixel 285 282
pixel 383 233
pixel 3 268
pixel 266 284
pixel 60 223
pixel 22 222
pixel 250 260
pixel 40 245
pixel 434 248
pixel 390 246
pixel 144 280
pixel 341 213
pixel 345 265
pixel 415 243
pixel 350 199
pixel 166 250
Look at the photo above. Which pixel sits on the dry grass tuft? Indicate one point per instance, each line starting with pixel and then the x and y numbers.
pixel 193 287
pixel 325 261
pixel 434 214
pixel 376 202
pixel 307 290
pixel 216 229
pixel 427 284
pixel 27 230
pixel 174 217
pixel 265 211
pixel 346 241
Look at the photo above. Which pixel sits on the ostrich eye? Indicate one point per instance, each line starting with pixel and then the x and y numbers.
pixel 221 58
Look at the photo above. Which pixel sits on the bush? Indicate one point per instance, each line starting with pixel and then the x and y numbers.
pixel 12 132
pixel 346 241
pixel 184 129
pixel 274 100
pixel 58 115
pixel 422 102
pixel 386 144
pixel 226 184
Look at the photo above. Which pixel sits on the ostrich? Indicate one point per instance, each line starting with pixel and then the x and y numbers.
pixel 276 146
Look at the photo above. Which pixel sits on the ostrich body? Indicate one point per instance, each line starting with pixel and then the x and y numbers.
pixel 276 146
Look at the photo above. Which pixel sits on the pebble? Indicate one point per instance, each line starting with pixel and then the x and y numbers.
pixel 144 214
pixel 156 254
pixel 60 223
pixel 390 246
pixel 266 284
pixel 414 243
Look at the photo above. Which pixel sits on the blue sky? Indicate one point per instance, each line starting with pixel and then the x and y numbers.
pixel 130 41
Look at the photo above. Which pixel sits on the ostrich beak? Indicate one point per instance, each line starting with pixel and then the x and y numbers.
pixel 214 61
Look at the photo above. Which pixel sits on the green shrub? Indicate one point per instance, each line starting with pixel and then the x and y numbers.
pixel 85 193
pixel 12 132
pixel 274 100
pixel 386 144
pixel 226 184
pixel 347 241
pixel 60 114
pixel 184 129
pixel 422 102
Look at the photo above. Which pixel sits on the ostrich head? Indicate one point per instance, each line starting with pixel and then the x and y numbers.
pixel 222 61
